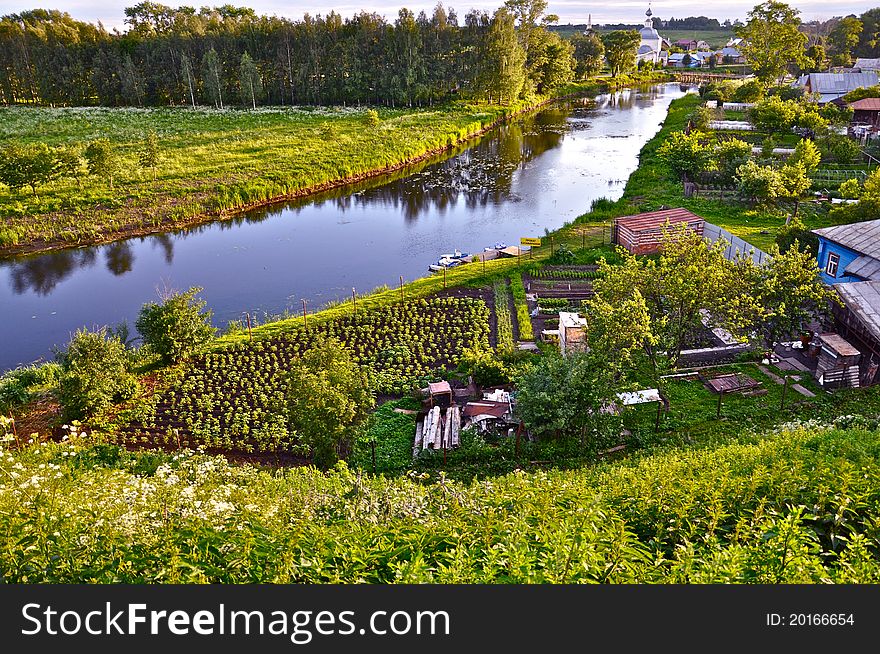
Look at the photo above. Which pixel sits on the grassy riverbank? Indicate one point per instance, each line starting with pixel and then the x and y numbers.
pixel 216 163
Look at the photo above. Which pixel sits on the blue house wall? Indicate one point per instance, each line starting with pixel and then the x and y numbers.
pixel 846 255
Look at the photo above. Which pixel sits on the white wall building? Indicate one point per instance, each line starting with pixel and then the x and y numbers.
pixel 652 43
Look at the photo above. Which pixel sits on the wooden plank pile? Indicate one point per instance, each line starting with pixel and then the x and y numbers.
pixel 439 430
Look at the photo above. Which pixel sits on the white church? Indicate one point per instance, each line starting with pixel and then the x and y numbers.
pixel 653 47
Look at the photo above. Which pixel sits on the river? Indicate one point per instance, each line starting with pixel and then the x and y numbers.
pixel 538 172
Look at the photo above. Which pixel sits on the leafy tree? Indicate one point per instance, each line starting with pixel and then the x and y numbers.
pixel 760 184
pixel 795 232
pixel 69 163
pixel 795 183
pixel 850 189
pixel 177 326
pixel 29 165
pixel 249 80
pixel 729 155
pixel 685 154
pixel 774 115
pixel 749 91
pixel 94 374
pixel 567 397
pixel 772 41
pixel 621 47
pixel 102 160
pixel 806 154
pixel 554 62
pixel 844 36
pixel 150 152
pixel 815 59
pixel 328 397
pixel 838 148
pixel 189 78
pixel 620 330
pixel 212 74
pixel 688 278
pixel 503 63
pixel 789 294
pixel 588 54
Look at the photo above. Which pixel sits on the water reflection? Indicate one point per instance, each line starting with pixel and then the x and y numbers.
pixel 538 172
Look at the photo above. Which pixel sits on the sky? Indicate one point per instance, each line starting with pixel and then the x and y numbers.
pixel 569 11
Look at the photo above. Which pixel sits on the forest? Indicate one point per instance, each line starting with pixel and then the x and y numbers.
pixel 227 55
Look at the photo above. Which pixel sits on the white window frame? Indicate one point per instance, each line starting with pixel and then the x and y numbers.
pixel 833 264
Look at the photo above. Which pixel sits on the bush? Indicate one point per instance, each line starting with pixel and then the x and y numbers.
pixel 371 116
pixel 94 374
pixel 751 91
pixel 838 148
pixel 16 385
pixel 851 189
pixel 177 326
pixel 797 232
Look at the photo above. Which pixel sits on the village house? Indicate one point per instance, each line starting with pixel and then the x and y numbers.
pixel 864 65
pixel 866 112
pixel 858 321
pixel 642 233
pixel 849 253
pixel 833 86
pixel 686 44
pixel 732 55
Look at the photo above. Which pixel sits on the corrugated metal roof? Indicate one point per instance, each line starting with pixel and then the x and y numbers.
pixel 494 409
pixel 865 267
pixel 863 238
pixel 840 83
pixel 863 300
pixel 656 219
pixel 867 64
pixel 866 104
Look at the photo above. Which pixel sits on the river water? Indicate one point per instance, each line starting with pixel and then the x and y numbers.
pixel 538 172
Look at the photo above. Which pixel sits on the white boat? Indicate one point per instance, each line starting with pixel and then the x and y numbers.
pixel 497 246
pixel 443 263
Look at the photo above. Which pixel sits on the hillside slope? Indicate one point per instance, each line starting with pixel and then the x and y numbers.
pixel 797 506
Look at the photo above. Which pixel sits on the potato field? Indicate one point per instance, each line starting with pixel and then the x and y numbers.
pixel 233 399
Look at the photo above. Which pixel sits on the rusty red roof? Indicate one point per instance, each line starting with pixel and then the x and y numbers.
pixel 866 104
pixel 485 408
pixel 657 219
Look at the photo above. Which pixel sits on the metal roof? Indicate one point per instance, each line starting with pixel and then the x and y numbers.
pixel 485 408
pixel 656 219
pixel 840 83
pixel 866 104
pixel 867 64
pixel 863 300
pixel 863 238
pixel 437 388
pixel 864 267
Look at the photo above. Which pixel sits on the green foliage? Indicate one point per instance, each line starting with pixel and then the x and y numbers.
pixel 807 155
pixel 774 115
pixel 371 117
pixel 589 52
pixel 19 386
pixel 685 154
pixel 621 47
pixel 850 189
pixel 725 514
pixel 566 397
pixel 250 82
pixel 749 91
pixel 796 232
pixel 177 326
pixel 728 155
pixel 103 160
pixel 392 433
pixel 30 165
pixel 838 148
pixel 862 93
pixel 328 398
pixel 772 41
pixel 523 319
pixel 485 367
pixel 150 153
pixel 760 184
pixel 94 374
pixel 502 75
pixel 503 317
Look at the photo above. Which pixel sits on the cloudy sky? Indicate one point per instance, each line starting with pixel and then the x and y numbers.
pixel 569 11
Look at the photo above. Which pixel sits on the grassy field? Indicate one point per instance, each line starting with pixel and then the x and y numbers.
pixel 214 163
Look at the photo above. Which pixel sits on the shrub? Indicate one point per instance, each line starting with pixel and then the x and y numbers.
pixel 838 148
pixel 328 398
pixel 371 116
pixel 177 326
pixel 94 374
pixel 751 91
pixel 851 189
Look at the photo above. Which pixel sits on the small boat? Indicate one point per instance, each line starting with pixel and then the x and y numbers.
pixel 497 246
pixel 457 255
pixel 442 264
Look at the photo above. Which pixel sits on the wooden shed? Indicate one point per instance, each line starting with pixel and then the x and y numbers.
pixel 642 233
pixel 838 365
pixel 866 111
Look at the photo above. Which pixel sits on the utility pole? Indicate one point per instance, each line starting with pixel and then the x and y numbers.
pixel 305 319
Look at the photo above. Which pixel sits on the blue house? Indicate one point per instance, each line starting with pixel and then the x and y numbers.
pixel 849 253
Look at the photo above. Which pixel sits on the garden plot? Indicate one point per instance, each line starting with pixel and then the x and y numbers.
pixel 233 400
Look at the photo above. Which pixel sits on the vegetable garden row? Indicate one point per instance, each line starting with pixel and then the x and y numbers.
pixel 233 399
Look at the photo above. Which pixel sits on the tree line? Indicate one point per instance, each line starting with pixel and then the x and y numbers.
pixel 225 55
